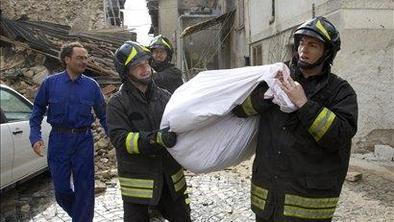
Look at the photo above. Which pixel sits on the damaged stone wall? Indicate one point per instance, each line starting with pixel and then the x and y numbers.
pixel 366 60
pixel 88 14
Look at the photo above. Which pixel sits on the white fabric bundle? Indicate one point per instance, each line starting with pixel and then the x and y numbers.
pixel 210 137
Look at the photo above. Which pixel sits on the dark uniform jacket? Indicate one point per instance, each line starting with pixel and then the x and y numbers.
pixel 142 166
pixel 168 77
pixel 302 157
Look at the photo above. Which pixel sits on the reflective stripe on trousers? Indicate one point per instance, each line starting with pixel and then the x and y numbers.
pixel 309 208
pixel 143 188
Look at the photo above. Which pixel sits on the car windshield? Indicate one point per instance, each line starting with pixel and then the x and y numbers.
pixel 14 108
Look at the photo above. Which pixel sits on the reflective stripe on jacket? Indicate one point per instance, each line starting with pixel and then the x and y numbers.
pixel 142 167
pixel 302 157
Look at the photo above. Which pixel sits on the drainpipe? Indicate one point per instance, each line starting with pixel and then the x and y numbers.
pixel 272 19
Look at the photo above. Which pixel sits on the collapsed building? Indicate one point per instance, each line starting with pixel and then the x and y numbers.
pixel 31 34
pixel 46 38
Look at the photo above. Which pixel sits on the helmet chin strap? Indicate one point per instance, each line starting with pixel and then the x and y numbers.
pixel 306 65
pixel 144 82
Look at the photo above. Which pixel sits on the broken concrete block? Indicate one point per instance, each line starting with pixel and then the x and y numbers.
pixel 353 176
pixel 29 73
pixel 99 187
pixel 40 59
pixel 384 152
pixel 109 89
pixel 40 72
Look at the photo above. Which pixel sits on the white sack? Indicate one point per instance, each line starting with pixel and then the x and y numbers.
pixel 214 93
pixel 210 137
pixel 215 147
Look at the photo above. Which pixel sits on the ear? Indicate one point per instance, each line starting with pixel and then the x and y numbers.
pixel 128 71
pixel 327 52
pixel 67 59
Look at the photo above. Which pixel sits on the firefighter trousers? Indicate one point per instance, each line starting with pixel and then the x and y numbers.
pixel 172 210
pixel 294 219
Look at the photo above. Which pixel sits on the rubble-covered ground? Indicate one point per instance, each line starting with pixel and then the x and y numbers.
pixel 220 196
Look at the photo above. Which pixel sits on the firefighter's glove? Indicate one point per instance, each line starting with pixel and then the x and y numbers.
pixel 166 138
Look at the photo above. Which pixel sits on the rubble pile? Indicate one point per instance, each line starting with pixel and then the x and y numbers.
pixel 29 52
pixel 46 39
pixel 91 12
pixel 23 70
pixel 104 154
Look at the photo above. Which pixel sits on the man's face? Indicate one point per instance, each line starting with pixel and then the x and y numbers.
pixel 310 49
pixel 78 60
pixel 141 70
pixel 159 55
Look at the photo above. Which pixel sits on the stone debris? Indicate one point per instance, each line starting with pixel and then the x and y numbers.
pixel 109 89
pixel 381 152
pixel 215 197
pixel 377 136
pixel 99 187
pixel 353 176
pixel 384 152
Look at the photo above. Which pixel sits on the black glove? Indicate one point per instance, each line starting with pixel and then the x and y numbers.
pixel 166 138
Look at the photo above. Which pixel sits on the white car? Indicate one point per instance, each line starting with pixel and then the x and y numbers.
pixel 18 161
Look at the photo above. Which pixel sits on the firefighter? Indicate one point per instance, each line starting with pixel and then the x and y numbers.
pixel 69 97
pixel 302 157
pixel 167 76
pixel 148 174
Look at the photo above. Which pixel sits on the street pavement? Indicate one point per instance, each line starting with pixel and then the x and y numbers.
pixel 224 197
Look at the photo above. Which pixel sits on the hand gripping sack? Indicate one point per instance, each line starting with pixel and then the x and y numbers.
pixel 210 137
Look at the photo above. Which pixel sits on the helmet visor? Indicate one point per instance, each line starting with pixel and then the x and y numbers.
pixel 309 33
pixel 139 60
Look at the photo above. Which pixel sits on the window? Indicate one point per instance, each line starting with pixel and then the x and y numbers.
pixel 113 12
pixel 257 55
pixel 14 107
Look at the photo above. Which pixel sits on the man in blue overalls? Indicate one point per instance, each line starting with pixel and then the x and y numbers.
pixel 69 97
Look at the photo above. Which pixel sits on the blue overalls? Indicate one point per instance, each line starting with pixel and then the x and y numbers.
pixel 70 148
